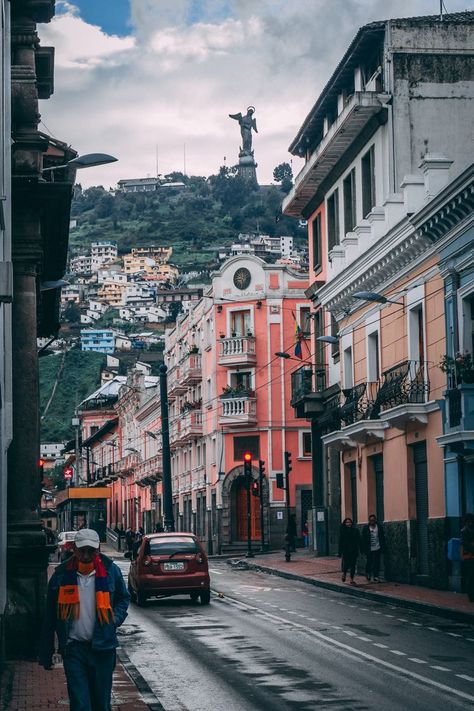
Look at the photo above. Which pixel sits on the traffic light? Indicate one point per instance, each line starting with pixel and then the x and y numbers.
pixel 255 488
pixel 67 473
pixel 279 480
pixel 247 464
pixel 288 466
pixel 41 469
pixel 261 468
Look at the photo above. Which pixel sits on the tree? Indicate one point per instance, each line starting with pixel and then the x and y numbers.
pixel 72 313
pixel 283 174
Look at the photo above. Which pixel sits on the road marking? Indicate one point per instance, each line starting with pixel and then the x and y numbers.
pixel 417 624
pixel 399 654
pixel 466 677
pixel 331 642
pixel 435 666
pixel 364 639
pixel 387 615
pixel 402 619
pixel 433 629
pixel 417 661
pixel 350 633
pixel 454 634
pixel 216 572
pixel 470 639
pixel 380 645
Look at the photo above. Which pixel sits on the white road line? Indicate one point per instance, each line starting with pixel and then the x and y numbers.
pixel 399 654
pixel 376 612
pixel 433 629
pixel 216 572
pixel 454 634
pixel 417 661
pixel 387 615
pixel 331 642
pixel 417 624
pixel 364 639
pixel 470 639
pixel 466 677
pixel 438 668
pixel 351 634
pixel 380 645
pixel 402 619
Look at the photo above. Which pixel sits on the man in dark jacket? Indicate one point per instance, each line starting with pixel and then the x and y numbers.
pixel 87 600
pixel 373 545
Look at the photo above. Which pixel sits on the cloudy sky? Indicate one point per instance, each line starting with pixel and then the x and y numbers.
pixel 139 77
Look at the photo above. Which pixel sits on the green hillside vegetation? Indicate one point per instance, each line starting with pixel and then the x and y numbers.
pixel 209 212
pixel 79 376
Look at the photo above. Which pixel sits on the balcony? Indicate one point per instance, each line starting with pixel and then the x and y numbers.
pixel 360 109
pixel 191 425
pixel 237 351
pixel 190 370
pixel 307 390
pixel 175 384
pixel 459 419
pixel 199 477
pixel 403 396
pixel 149 471
pixel 356 418
pixel 238 410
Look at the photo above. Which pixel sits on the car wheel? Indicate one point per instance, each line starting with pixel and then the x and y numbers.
pixel 194 596
pixel 205 597
pixel 133 596
pixel 141 599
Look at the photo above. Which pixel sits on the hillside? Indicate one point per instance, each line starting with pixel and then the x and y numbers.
pixel 77 374
pixel 208 212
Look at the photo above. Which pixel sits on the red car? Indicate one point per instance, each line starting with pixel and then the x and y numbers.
pixel 169 564
pixel 65 544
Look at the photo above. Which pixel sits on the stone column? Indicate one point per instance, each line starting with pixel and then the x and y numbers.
pixel 26 543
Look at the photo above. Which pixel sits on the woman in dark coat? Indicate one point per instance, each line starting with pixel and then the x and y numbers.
pixel 349 547
pixel 467 538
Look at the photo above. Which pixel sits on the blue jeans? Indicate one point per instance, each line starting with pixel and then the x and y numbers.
pixel 89 676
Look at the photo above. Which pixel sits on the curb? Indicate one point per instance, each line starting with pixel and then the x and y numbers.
pixel 447 612
pixel 142 685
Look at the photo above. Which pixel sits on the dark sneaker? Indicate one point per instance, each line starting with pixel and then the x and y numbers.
pixel 343 578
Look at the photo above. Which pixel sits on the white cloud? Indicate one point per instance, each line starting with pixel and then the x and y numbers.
pixel 175 79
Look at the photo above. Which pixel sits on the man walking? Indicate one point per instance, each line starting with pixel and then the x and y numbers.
pixel 87 600
pixel 373 545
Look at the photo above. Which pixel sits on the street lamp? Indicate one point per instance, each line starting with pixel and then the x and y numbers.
pixel 375 297
pixel 89 160
pixel 333 340
pixel 48 285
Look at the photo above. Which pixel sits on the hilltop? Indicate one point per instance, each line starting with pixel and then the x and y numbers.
pixel 204 213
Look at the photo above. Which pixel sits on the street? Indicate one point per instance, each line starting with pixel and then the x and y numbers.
pixel 268 643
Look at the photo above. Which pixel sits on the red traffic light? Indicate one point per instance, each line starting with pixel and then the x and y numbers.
pixel 68 472
pixel 247 457
pixel 41 463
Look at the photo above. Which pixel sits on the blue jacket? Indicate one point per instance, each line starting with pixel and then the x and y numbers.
pixel 105 636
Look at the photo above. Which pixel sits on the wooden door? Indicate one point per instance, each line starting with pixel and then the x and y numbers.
pixel 241 513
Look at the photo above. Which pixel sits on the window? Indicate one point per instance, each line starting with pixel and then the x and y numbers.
pixel 335 334
pixel 93 430
pixel 373 370
pixel 240 323
pixel 416 334
pixel 368 182
pixel 305 321
pixel 319 331
pixel 348 379
pixel 316 232
pixel 246 444
pixel 241 379
pixel 349 195
pixel 333 219
pixel 306 444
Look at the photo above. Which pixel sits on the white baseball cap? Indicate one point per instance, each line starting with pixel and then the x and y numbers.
pixel 87 537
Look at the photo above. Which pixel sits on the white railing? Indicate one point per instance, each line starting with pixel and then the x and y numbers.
pixel 239 407
pixel 237 346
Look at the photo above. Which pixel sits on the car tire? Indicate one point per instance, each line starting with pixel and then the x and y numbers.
pixel 194 596
pixel 141 599
pixel 205 597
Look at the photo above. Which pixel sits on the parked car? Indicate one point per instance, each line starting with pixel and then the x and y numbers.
pixel 168 564
pixel 65 544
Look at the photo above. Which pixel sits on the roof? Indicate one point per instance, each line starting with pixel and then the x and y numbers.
pixel 107 427
pixel 108 390
pixel 366 37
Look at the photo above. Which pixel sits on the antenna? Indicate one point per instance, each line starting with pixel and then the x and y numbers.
pixel 156 152
pixel 184 159
pixel 441 10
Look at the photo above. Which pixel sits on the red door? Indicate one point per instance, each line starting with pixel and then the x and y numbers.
pixel 241 510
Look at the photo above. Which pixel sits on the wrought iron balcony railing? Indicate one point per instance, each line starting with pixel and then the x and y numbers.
pixel 403 384
pixel 359 403
pixel 454 398
pixel 306 380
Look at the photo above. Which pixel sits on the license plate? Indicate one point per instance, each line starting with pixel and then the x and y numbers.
pixel 173 566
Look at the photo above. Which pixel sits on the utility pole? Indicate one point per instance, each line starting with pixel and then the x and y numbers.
pixel 289 537
pixel 168 518
pixel 261 477
pixel 248 481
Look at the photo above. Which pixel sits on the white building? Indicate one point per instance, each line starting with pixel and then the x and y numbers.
pixel 102 252
pixel 82 264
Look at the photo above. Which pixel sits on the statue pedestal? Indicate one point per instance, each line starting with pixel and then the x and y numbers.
pixel 247 166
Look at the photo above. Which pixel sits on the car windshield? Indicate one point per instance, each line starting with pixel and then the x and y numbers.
pixel 171 545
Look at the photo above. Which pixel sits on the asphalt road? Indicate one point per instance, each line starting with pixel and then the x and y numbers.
pixel 270 644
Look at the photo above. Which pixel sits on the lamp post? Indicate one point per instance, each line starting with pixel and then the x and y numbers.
pixel 168 518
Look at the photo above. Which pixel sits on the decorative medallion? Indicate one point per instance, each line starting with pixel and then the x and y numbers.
pixel 242 278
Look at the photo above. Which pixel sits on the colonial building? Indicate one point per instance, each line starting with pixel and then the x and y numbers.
pixel 388 132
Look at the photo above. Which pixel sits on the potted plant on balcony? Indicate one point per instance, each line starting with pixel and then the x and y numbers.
pixel 193 349
pixel 460 368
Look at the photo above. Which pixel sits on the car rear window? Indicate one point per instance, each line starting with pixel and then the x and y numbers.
pixel 169 545
pixel 69 536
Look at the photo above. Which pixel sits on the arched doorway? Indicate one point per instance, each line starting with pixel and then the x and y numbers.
pixel 234 509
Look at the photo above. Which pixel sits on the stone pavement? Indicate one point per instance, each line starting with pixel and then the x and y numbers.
pixel 325 572
pixel 25 686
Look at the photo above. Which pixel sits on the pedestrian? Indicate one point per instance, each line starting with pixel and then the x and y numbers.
pixel 87 600
pixel 467 554
pixel 159 527
pixel 305 533
pixel 129 539
pixel 373 545
pixel 349 547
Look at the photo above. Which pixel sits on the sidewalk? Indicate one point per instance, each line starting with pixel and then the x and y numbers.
pixel 325 573
pixel 25 686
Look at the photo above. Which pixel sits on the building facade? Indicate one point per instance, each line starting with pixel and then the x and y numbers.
pixel 387 134
pixel 99 340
